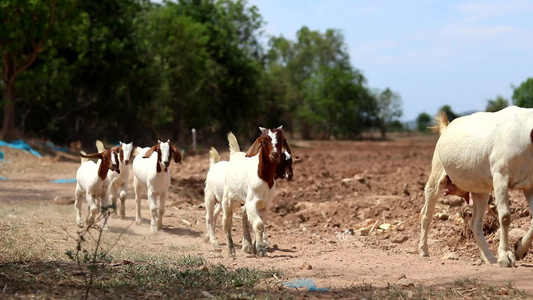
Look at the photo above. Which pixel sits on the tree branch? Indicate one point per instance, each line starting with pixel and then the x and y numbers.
pixel 38 47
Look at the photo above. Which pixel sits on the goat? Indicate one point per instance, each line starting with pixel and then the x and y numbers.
pixel 481 153
pixel 151 173
pixel 91 180
pixel 214 186
pixel 118 182
pixel 250 181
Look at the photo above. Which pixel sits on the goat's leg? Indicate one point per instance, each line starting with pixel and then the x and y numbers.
pixel 256 220
pixel 227 219
pixel 161 212
pixel 152 203
pixel 246 237
pixel 93 208
pixel 113 193
pixel 123 204
pixel 432 190
pixel 522 246
pixel 137 190
pixel 480 202
pixel 210 217
pixel 506 257
pixel 78 198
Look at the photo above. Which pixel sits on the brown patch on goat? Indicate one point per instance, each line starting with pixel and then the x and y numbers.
pixel 173 152
pixel 266 169
pixel 105 156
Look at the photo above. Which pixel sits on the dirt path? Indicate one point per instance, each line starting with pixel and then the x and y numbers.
pixel 350 217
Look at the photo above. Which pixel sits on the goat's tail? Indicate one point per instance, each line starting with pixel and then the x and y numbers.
pixel 441 121
pixel 84 159
pixel 233 144
pixel 100 146
pixel 213 157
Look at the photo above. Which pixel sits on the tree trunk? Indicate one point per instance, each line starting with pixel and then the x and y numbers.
pixel 306 130
pixel 176 121
pixel 8 129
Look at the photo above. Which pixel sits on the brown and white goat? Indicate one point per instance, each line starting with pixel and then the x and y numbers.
pixel 91 181
pixel 250 180
pixel 214 186
pixel 118 181
pixel 151 173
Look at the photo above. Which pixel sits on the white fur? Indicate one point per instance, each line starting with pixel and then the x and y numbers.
pixel 94 188
pixel 155 183
pixel 118 182
pixel 243 186
pixel 482 153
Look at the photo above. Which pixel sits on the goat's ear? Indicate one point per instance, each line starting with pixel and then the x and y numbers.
pixel 149 152
pixel 135 151
pixel 289 149
pixel 177 155
pixel 92 155
pixel 254 149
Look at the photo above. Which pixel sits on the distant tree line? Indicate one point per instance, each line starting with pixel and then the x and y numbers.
pixel 134 70
pixel 522 96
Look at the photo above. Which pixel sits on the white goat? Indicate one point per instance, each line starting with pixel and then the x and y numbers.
pixel 118 181
pixel 91 181
pixel 480 153
pixel 214 186
pixel 151 173
pixel 250 181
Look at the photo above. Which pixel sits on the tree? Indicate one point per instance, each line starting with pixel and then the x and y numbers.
pixel 449 113
pixel 26 27
pixel 177 44
pixel 423 121
pixel 389 106
pixel 523 95
pixel 497 104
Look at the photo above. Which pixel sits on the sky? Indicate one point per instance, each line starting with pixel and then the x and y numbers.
pixel 433 53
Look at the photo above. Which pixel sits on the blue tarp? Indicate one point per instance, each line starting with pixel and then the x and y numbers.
pixel 1 156
pixel 54 147
pixel 20 144
pixel 63 180
pixel 3 178
pixel 304 282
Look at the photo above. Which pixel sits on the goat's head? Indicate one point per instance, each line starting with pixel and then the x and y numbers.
pixel 166 152
pixel 284 167
pixel 267 144
pixel 126 152
pixel 109 161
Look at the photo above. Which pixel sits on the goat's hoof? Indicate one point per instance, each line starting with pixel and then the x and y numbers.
pixel 507 260
pixel 261 252
pixel 80 224
pixel 138 222
pixel 519 250
pixel 231 252
pixel 247 248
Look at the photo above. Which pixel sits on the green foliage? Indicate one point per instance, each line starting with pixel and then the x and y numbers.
pixel 497 104
pixel 423 121
pixel 523 94
pixel 389 107
pixel 135 70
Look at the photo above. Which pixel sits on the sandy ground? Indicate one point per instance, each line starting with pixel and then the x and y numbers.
pixel 350 217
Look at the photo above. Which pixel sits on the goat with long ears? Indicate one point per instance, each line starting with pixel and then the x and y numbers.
pixel 151 173
pixel 165 152
pixel 214 187
pixel 118 181
pixel 250 181
pixel 91 181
